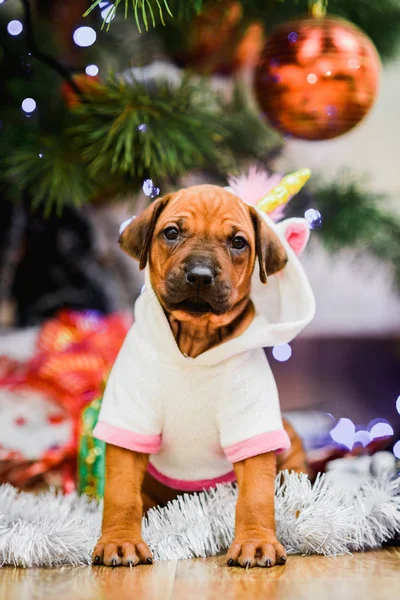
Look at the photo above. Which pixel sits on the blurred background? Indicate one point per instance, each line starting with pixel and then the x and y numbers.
pixel 100 114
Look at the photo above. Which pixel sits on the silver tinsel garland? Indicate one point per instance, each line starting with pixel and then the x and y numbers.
pixel 50 530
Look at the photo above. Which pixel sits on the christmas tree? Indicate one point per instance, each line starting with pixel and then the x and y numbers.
pixel 100 100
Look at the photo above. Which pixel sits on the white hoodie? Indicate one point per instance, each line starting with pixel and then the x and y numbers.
pixel 197 416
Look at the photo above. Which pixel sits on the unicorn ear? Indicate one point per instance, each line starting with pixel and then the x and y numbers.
pixel 296 233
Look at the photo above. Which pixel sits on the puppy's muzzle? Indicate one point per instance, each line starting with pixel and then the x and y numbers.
pixel 197 287
pixel 200 277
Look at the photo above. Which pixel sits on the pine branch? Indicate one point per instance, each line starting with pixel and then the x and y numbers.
pixel 186 127
pixel 45 169
pixel 128 132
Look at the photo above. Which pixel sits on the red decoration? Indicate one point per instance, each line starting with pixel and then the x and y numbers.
pixel 317 77
pixel 86 83
pixel 75 352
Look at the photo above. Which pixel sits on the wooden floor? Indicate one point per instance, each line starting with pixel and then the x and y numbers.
pixel 367 576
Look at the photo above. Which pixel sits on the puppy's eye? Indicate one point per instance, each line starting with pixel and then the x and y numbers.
pixel 239 242
pixel 171 233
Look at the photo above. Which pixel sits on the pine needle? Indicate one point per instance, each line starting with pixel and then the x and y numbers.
pixel 102 148
pixel 144 10
pixel 186 127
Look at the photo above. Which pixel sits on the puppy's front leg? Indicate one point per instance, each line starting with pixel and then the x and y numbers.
pixel 121 540
pixel 255 542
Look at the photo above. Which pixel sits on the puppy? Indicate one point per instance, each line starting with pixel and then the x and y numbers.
pixel 191 393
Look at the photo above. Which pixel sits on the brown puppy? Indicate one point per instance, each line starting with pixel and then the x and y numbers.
pixel 201 244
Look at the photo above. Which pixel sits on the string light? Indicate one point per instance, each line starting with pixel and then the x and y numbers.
pixel 15 27
pixel 92 70
pixel 362 437
pixel 380 430
pixel 147 186
pixel 396 449
pixel 28 105
pixel 314 218
pixel 125 224
pixel 84 36
pixel 150 189
pixel 282 352
pixel 106 11
pixel 343 433
pixel 142 128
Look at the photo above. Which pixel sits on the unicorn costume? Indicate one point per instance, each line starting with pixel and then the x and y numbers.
pixel 197 416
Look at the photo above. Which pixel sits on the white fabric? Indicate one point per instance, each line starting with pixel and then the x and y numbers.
pixel 204 405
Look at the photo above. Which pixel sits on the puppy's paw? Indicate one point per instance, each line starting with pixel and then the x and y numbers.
pixel 259 551
pixel 121 549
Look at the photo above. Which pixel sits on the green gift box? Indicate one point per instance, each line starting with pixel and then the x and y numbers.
pixel 91 454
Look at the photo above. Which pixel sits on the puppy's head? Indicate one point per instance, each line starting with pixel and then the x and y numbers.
pixel 201 244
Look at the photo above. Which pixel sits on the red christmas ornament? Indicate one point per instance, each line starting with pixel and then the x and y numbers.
pixel 317 77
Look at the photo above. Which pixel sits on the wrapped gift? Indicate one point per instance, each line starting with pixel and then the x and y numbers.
pixel 42 400
pixel 91 454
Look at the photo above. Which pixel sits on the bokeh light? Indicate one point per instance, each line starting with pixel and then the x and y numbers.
pixel 396 449
pixel 92 70
pixel 282 352
pixel 398 405
pixel 84 36
pixel 343 433
pixel 150 189
pixel 106 11
pixel 147 186
pixel 15 27
pixel 28 105
pixel 362 437
pixel 381 430
pixel 125 224
pixel 155 192
pixel 314 218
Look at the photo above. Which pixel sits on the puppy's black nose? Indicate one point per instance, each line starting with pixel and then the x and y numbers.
pixel 200 276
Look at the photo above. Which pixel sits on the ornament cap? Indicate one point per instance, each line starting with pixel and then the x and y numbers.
pixel 317 8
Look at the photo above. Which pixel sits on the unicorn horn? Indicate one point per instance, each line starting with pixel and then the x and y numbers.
pixel 280 194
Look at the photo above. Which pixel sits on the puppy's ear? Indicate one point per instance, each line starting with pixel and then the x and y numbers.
pixel 135 239
pixel 269 250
